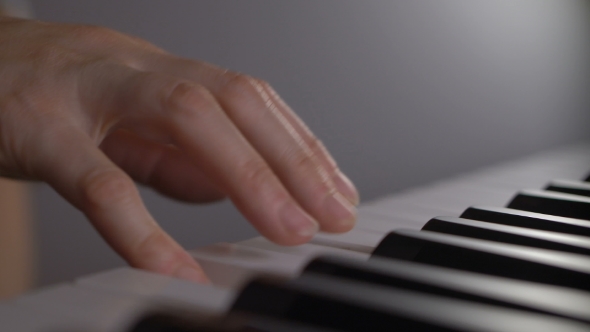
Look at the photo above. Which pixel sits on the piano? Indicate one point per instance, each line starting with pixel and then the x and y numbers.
pixel 505 248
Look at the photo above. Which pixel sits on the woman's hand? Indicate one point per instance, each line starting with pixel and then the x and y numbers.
pixel 88 110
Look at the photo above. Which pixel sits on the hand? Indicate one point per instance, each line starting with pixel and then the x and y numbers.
pixel 89 110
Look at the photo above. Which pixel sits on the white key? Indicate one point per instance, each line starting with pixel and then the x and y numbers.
pixel 534 173
pixel 506 181
pixel 13 318
pixel 231 265
pixel 111 301
pixel 396 208
pixel 357 239
pixel 308 250
pixel 205 299
pixel 456 197
pixel 68 308
pixel 490 182
pixel 375 222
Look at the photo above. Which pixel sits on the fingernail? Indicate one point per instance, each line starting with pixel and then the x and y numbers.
pixel 346 188
pixel 298 222
pixel 340 208
pixel 191 273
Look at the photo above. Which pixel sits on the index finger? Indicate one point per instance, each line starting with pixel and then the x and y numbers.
pixel 82 174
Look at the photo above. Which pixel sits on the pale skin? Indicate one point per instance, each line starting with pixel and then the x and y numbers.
pixel 90 110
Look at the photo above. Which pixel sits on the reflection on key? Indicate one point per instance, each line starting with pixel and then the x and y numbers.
pixel 458 284
pixel 527 219
pixel 510 234
pixel 557 204
pixel 505 260
pixel 344 305
pixel 569 187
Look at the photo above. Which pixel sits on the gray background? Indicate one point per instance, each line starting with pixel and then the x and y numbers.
pixel 401 92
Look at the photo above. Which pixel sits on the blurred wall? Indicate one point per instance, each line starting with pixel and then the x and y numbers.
pixel 401 92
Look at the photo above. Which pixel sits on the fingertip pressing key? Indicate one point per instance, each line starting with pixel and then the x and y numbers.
pixel 342 212
pixel 191 273
pixel 298 222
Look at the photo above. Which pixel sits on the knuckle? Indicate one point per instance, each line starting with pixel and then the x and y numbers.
pixel 95 33
pixel 107 187
pixel 319 149
pixel 264 85
pixel 261 182
pixel 307 165
pixel 185 99
pixel 154 258
pixel 241 85
pixel 256 174
pixel 279 201
pixel 302 162
pixel 273 197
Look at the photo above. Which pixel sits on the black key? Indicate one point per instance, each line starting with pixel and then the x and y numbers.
pixel 499 259
pixel 344 305
pixel 510 234
pixel 458 284
pixel 557 204
pixel 526 219
pixel 266 324
pixel 174 323
pixel 569 187
pixel 587 179
pixel 170 323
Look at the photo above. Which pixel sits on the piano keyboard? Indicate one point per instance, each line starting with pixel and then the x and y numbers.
pixel 505 248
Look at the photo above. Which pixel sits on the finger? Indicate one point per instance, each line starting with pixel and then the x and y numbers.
pixel 264 124
pixel 341 181
pixel 82 174
pixel 162 167
pixel 190 115
pixel 216 79
pixel 259 119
